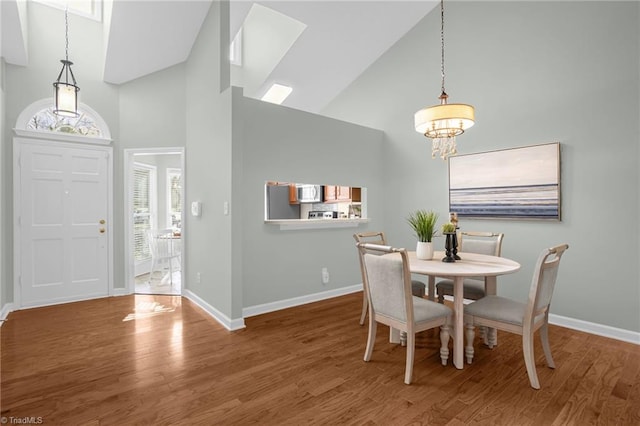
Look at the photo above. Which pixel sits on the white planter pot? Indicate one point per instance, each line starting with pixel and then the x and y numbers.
pixel 424 250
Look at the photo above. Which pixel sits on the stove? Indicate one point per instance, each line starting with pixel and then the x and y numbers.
pixel 314 214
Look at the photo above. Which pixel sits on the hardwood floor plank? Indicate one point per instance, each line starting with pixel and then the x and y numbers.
pixel 160 360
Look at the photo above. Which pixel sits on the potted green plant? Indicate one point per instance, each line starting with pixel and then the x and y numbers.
pixel 423 223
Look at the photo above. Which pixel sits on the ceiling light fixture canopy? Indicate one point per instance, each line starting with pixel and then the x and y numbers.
pixel 443 122
pixel 66 92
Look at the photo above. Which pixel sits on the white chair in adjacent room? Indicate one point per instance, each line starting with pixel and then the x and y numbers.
pixel 165 247
pixel 388 289
pixel 524 319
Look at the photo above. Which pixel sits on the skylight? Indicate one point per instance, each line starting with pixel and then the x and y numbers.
pixel 277 94
pixel 235 50
pixel 87 8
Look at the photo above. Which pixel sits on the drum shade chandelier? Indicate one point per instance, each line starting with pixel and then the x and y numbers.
pixel 66 92
pixel 443 122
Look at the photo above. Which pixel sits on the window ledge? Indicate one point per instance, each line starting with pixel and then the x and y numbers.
pixel 294 224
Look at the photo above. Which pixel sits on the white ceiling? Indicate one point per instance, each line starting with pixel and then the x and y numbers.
pixel 341 39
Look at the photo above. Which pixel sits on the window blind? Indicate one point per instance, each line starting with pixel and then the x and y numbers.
pixel 141 212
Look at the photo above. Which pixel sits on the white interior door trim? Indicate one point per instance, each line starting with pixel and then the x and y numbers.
pixel 128 261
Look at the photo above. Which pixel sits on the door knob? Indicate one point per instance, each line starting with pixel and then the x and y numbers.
pixel 102 230
pixel 102 221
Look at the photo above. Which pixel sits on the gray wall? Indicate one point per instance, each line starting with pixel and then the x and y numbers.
pixel 4 141
pixel 536 72
pixel 151 110
pixel 284 144
pixel 151 115
pixel 208 238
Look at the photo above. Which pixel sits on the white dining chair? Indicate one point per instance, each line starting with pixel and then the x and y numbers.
pixel 388 289
pixel 377 237
pixel 525 319
pixel 164 248
pixel 472 242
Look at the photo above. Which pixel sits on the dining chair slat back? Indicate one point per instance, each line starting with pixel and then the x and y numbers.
pixel 489 243
pixel 378 238
pixel 520 318
pixel 391 302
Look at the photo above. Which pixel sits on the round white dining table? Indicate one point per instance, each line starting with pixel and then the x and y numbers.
pixel 470 265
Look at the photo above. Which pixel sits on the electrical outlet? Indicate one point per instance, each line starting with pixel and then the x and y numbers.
pixel 198 278
pixel 325 276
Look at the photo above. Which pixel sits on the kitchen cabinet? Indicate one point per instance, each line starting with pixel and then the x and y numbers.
pixel 337 194
pixel 329 193
pixel 356 195
pixel 293 194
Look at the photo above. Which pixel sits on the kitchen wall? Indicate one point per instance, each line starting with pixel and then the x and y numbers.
pixel 284 144
pixel 536 72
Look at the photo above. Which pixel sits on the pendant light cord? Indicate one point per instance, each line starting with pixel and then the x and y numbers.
pixel 442 43
pixel 66 32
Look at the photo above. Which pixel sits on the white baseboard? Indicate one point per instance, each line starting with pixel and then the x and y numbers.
pixel 121 292
pixel 588 327
pixel 597 329
pixel 228 323
pixel 297 301
pixel 6 310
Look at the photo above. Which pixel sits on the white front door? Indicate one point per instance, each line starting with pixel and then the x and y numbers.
pixel 62 209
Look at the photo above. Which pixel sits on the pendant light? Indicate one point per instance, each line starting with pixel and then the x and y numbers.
pixel 443 122
pixel 66 92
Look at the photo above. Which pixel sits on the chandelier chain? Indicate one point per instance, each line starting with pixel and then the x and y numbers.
pixel 66 32
pixel 442 42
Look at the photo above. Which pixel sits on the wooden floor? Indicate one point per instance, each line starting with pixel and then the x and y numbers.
pixel 159 360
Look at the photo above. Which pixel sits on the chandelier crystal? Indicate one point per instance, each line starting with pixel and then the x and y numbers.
pixel 66 91
pixel 443 122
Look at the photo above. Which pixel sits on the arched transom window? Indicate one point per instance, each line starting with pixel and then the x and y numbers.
pixel 84 124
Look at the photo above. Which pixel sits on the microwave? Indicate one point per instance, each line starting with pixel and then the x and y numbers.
pixel 309 193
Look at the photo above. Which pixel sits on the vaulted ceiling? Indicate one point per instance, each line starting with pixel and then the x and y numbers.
pixel 334 41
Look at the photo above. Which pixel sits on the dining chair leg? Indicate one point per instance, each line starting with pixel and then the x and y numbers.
pixel 444 343
pixel 544 336
pixel 470 334
pixel 371 339
pixel 432 288
pixel 411 347
pixel 529 359
pixel 171 272
pixel 365 306
pixel 492 337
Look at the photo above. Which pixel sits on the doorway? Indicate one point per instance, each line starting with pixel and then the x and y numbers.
pixel 63 206
pixel 154 222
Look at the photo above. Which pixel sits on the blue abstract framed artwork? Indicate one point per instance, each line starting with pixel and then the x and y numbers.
pixel 517 183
